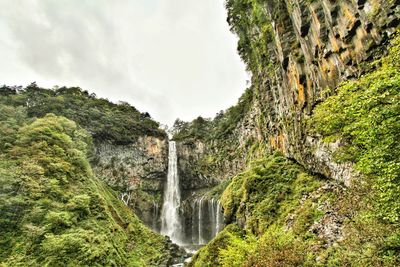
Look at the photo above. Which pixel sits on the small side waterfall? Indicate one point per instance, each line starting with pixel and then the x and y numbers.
pixel 207 220
pixel 200 226
pixel 220 218
pixel 155 216
pixel 170 220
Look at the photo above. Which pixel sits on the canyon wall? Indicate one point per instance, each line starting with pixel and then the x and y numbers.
pixel 314 46
pixel 298 52
pixel 137 172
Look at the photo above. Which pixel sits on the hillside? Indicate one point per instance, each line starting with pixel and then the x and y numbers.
pixel 307 161
pixel 129 151
pixel 55 212
pixel 55 209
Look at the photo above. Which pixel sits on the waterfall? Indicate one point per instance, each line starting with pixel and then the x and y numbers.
pixel 207 219
pixel 126 198
pixel 212 211
pixel 194 225
pixel 201 239
pixel 155 215
pixel 170 221
pixel 219 218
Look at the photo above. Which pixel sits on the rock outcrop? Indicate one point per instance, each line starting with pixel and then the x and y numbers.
pixel 313 47
pixel 137 172
pixel 298 52
pixel 192 177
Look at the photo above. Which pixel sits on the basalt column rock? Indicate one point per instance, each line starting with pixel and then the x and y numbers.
pixel 298 52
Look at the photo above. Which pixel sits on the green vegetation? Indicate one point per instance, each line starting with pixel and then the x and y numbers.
pixel 262 200
pixel 274 206
pixel 219 134
pixel 217 254
pixel 265 190
pixel 280 248
pixel 54 212
pixel 365 116
pixel 251 21
pixel 105 121
pixel 220 128
pixel 277 205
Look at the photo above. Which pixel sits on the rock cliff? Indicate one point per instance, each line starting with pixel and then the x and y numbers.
pixel 298 52
pixel 138 172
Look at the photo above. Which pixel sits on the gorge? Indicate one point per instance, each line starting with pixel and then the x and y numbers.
pixel 303 171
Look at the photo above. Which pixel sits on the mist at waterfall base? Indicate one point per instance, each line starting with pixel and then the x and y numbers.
pixel 205 218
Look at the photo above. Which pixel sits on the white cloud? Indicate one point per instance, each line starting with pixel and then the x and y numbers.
pixel 172 58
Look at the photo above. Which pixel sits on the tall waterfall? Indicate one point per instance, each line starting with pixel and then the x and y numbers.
pixel 205 218
pixel 170 220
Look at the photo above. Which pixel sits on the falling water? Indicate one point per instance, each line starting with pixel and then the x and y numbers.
pixel 155 215
pixel 201 223
pixel 212 212
pixel 170 221
pixel 206 217
pixel 207 220
pixel 219 218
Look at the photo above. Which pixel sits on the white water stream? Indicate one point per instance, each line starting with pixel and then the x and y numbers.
pixel 206 219
pixel 170 220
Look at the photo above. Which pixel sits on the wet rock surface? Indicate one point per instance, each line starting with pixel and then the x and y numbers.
pixel 177 255
pixel 137 172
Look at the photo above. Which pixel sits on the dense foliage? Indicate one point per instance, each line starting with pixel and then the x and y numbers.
pixel 117 123
pixel 262 188
pixel 365 116
pixel 251 21
pixel 220 135
pixel 261 200
pixel 54 212
pixel 276 211
pixel 220 128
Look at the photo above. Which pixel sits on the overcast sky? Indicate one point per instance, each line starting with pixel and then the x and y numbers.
pixel 172 58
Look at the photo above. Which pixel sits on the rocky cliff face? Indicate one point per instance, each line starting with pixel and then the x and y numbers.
pixel 137 172
pixel 313 46
pixel 192 177
pixel 298 52
pixel 204 163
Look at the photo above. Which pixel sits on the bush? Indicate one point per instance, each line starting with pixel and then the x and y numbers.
pixel 278 248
